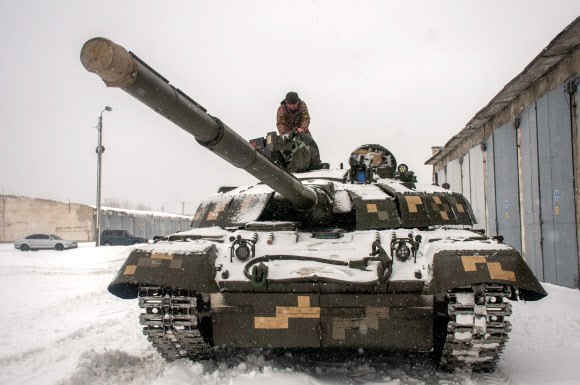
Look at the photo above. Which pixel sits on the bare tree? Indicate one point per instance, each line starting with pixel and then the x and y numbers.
pixel 142 207
pixel 111 202
pixel 125 204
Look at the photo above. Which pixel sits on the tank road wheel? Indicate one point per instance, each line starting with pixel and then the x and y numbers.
pixel 172 323
pixel 59 247
pixel 24 247
pixel 107 243
pixel 477 330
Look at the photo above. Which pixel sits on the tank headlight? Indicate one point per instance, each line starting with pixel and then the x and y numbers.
pixel 243 249
pixel 243 252
pixel 402 252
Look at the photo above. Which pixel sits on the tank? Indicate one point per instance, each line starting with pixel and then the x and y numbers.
pixel 355 257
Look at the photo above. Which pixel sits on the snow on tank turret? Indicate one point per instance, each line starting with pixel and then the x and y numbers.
pixel 325 258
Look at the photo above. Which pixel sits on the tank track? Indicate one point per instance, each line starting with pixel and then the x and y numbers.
pixel 171 322
pixel 477 330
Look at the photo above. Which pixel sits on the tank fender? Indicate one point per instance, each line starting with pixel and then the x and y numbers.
pixel 171 267
pixel 456 268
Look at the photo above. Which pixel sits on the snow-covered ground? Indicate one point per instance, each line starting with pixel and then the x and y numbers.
pixel 61 326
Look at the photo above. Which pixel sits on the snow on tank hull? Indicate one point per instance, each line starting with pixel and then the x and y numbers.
pixel 327 289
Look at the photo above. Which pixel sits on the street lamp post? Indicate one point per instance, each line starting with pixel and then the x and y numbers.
pixel 100 150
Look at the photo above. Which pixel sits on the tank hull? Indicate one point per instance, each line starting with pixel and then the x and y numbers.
pixel 451 302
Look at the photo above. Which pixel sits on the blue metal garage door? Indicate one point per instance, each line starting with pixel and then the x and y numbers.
pixel 149 225
pixel 506 185
pixel 127 224
pixel 477 186
pixel 490 193
pixel 558 212
pixel 115 222
pixel 531 192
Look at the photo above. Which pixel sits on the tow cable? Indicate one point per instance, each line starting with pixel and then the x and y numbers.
pixel 259 275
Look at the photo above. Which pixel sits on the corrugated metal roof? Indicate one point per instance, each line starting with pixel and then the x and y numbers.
pixel 563 44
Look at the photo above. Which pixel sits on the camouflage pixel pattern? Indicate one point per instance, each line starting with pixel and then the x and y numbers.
pixel 166 269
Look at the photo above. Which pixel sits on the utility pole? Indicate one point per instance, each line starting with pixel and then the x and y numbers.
pixel 3 216
pixel 100 150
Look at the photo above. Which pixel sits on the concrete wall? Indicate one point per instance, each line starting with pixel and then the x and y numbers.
pixel 21 216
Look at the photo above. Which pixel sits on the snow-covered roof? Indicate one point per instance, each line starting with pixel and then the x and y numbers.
pixel 139 213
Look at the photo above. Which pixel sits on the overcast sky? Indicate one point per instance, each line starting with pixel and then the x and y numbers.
pixel 407 75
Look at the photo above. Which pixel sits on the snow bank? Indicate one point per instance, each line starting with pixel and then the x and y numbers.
pixel 544 346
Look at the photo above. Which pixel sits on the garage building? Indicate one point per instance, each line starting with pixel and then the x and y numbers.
pixel 517 162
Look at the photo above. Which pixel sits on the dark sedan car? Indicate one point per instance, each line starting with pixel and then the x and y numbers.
pixel 44 241
pixel 120 237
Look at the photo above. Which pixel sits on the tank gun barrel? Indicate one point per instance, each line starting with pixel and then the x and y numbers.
pixel 122 69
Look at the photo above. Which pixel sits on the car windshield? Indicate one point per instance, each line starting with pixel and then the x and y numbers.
pixel 129 233
pixel 55 236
